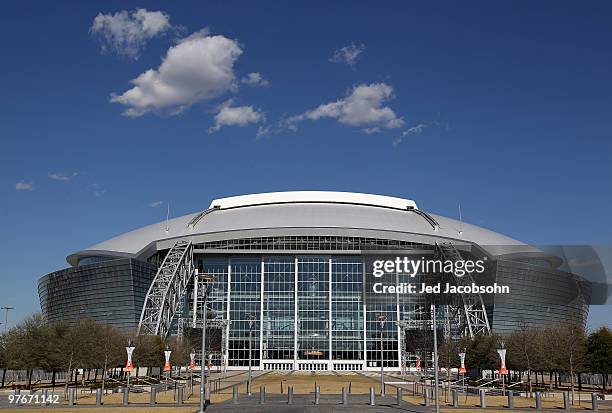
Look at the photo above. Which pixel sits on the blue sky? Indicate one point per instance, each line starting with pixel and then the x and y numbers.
pixel 505 109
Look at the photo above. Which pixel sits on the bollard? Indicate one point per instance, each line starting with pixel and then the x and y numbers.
pixel 372 402
pixel 207 395
pixel 98 397
pixel 290 395
pixel 126 396
pixel 594 402
pixel 350 386
pixel 538 400
pixel 71 397
pixel 45 397
pixel 317 394
pixel 179 398
pixel 400 396
pixel 235 394
pixel 510 399
pixel 153 400
pixel 262 394
pixel 344 396
pixel 483 401
pixel 455 398
pixel 566 402
pixel 425 397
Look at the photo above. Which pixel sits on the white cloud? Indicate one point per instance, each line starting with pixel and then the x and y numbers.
pixel 24 186
pixel 59 176
pixel 415 130
pixel 126 33
pixel 255 79
pixel 348 54
pixel 364 105
pixel 200 67
pixel 96 190
pixel 155 204
pixel 236 116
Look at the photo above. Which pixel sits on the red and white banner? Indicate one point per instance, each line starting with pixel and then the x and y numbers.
pixel 502 357
pixel 462 358
pixel 129 366
pixel 418 364
pixel 192 365
pixel 167 365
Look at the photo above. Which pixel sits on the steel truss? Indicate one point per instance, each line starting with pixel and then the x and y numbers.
pixel 474 311
pixel 166 292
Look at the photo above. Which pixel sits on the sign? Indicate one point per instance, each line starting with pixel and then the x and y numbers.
pixel 129 365
pixel 167 365
pixel 462 368
pixel 502 356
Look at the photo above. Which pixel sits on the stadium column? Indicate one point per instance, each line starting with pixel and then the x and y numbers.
pixel 295 314
pixel 397 318
pixel 261 324
pixel 365 322
pixel 330 365
pixel 229 292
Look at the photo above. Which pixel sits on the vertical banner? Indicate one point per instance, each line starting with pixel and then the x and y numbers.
pixel 167 365
pixel 129 366
pixel 192 365
pixel 462 358
pixel 502 356
pixel 418 363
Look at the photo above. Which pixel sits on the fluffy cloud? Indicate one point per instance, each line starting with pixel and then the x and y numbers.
pixel 348 54
pixel 126 33
pixel 236 116
pixel 200 67
pixel 415 130
pixel 363 106
pixel 155 204
pixel 255 79
pixel 58 176
pixel 24 186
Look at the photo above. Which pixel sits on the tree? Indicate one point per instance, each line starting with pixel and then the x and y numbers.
pixel 3 359
pixel 482 353
pixel 149 351
pixel 521 344
pixel 599 353
pixel 572 341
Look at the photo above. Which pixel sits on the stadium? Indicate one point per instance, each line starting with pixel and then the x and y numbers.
pixel 287 275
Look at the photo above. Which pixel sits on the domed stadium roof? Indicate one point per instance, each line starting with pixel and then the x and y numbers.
pixel 304 213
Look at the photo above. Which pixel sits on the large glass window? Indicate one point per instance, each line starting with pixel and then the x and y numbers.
pixel 313 308
pixel 347 309
pixel 278 308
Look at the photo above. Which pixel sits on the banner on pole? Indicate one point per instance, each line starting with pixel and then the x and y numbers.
pixel 462 368
pixel 192 365
pixel 129 366
pixel 502 357
pixel 167 364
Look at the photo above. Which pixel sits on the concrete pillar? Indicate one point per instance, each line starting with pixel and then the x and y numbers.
pixel 510 399
pixel 372 401
pixel 262 394
pixel 566 401
pixel 483 401
pixel 235 394
pixel 538 400
pixel 317 394
pixel 290 395
pixel 71 397
pixel 153 399
pixel 179 398
pixel 594 402
pixel 126 396
pixel 344 396
pixel 98 397
pixel 426 399
pixel 455 398
pixel 400 395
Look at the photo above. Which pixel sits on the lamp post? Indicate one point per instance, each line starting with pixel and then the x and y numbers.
pixel 435 346
pixel 251 318
pixel 381 321
pixel 206 280
pixel 129 365
pixel 6 309
pixel 502 369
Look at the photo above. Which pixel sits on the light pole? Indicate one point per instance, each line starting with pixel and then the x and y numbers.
pixel 502 369
pixel 6 309
pixel 251 318
pixel 381 321
pixel 206 280
pixel 435 346
pixel 129 365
